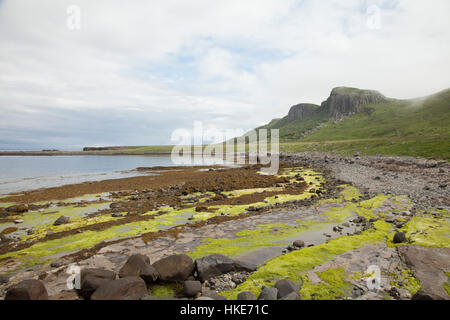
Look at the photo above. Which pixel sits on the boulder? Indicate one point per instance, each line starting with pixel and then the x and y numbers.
pixel 29 289
pixel 212 294
pixel 192 288
pixel 204 298
pixel 246 295
pixel 286 287
pixel 399 237
pixel 176 267
pixel 129 288
pixel 291 296
pixel 91 279
pixel 61 220
pixel 138 265
pixel 19 208
pixel 268 293
pixel 217 264
pixel 298 243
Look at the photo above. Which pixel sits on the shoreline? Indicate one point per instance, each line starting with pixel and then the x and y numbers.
pixel 345 209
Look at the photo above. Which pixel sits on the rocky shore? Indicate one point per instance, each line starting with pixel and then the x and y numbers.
pixel 325 227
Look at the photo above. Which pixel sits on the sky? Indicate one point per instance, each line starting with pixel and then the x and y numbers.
pixel 99 73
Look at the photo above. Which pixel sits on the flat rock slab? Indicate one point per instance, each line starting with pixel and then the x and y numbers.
pixel 429 266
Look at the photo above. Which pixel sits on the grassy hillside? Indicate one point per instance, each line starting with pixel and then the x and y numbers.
pixel 396 118
pixel 417 127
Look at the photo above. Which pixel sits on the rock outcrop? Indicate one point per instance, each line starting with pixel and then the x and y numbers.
pixel 429 266
pixel 29 289
pixel 344 102
pixel 302 111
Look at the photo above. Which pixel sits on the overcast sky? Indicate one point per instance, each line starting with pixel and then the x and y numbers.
pixel 137 70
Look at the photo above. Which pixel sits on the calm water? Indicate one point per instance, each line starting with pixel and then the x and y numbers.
pixel 20 173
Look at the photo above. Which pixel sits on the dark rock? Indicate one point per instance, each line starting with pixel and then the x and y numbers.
pixel 286 287
pixel 422 295
pixel 176 267
pixel 298 243
pixel 268 293
pixel 359 219
pixel 61 220
pixel 129 288
pixel 399 237
pixel 218 264
pixel 19 208
pixel 212 294
pixel 246 295
pixel 29 289
pixel 192 288
pixel 117 215
pixel 291 296
pixel 91 279
pixel 4 279
pixel 138 265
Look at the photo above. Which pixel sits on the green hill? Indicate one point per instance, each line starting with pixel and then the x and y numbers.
pixel 353 120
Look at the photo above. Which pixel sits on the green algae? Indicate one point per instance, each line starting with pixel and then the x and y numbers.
pixel 164 291
pixel 446 285
pixel 333 286
pixel 294 265
pixel 268 235
pixel 349 192
pixel 406 280
pixel 429 231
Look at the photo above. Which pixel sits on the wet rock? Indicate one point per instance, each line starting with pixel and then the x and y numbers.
pixel 192 288
pixel 138 265
pixel 359 219
pixel 61 220
pixel 129 288
pixel 268 293
pixel 298 243
pixel 19 208
pixel 29 289
pixel 246 295
pixel 399 237
pixel 218 264
pixel 176 267
pixel 117 215
pixel 286 287
pixel 91 279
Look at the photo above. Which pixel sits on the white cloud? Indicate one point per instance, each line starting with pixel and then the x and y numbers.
pixel 152 66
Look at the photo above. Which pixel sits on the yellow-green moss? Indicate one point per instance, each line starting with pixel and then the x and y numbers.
pixel 426 230
pixel 295 264
pixel 164 291
pixel 333 286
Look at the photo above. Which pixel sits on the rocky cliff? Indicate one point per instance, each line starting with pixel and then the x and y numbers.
pixel 302 111
pixel 344 102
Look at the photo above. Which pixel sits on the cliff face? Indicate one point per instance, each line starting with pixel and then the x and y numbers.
pixel 301 111
pixel 344 101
